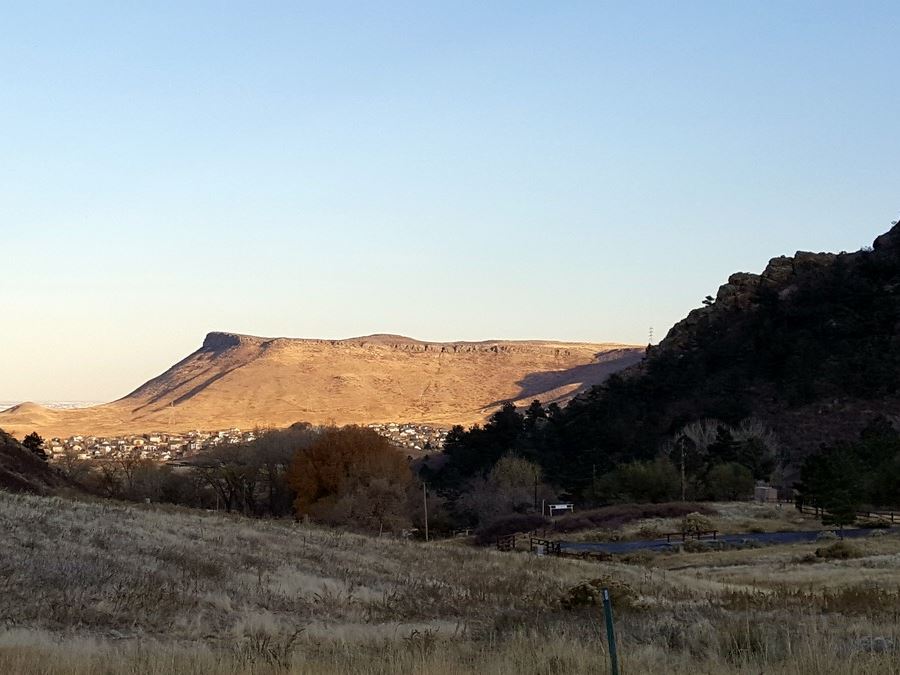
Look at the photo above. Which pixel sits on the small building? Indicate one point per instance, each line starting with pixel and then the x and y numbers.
pixel 558 509
pixel 765 494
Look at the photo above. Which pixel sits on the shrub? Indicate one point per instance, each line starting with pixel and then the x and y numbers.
pixel 351 477
pixel 696 522
pixel 654 481
pixel 692 546
pixel 617 515
pixel 874 524
pixel 638 558
pixel 862 599
pixel 590 594
pixel 729 481
pixel 839 550
pixel 649 531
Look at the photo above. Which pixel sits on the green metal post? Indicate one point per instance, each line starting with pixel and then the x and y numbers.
pixel 610 632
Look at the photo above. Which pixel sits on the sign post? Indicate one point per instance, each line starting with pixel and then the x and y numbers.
pixel 610 632
pixel 425 502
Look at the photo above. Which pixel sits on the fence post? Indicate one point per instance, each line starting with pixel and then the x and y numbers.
pixel 610 632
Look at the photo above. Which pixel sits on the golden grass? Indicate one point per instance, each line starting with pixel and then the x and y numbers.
pixel 96 587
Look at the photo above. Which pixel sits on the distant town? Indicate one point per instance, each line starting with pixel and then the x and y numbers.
pixel 417 437
pixel 166 447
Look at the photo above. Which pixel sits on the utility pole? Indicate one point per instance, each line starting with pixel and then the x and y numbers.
pixel 425 502
pixel 682 469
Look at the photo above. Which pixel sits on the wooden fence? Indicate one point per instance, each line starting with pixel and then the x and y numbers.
pixel 695 534
pixel 547 546
pixel 892 516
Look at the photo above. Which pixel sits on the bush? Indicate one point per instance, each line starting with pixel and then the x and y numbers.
pixel 513 524
pixel 694 546
pixel 696 522
pixel 610 517
pixel 729 481
pixel 839 550
pixel 649 531
pixel 638 558
pixel 352 477
pixel 655 481
pixel 590 594
pixel 874 524
pixel 866 599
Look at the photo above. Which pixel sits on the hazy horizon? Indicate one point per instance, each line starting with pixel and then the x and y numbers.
pixel 574 172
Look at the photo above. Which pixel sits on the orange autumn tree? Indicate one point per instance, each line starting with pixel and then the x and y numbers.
pixel 352 477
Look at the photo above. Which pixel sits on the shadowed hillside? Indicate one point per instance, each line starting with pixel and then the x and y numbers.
pixel 809 349
pixel 245 381
pixel 23 471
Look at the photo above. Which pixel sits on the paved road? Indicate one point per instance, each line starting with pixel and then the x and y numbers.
pixel 759 537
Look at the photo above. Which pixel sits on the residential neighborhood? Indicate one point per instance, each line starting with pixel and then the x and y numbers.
pixel 418 437
pixel 161 447
pixel 165 447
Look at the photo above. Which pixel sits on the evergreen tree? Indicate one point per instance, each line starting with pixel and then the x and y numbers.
pixel 36 444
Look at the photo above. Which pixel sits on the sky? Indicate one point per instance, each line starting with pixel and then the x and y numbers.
pixel 443 170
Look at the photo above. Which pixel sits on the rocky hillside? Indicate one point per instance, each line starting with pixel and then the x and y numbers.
pixel 245 381
pixel 811 346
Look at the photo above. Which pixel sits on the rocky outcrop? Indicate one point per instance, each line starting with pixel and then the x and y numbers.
pixel 889 242
pixel 742 291
pixel 217 341
pixel 220 341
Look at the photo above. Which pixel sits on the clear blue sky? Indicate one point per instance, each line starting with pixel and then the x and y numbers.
pixel 453 170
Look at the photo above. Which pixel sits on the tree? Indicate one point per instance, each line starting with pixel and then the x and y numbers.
pixel 841 509
pixel 832 480
pixel 354 477
pixel 654 481
pixel 729 481
pixel 35 444
pixel 75 468
pixel 514 485
pixel 232 473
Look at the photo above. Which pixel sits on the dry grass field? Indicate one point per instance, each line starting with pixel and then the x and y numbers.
pixel 97 588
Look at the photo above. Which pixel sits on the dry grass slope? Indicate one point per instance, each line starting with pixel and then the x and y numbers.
pixel 90 588
pixel 243 381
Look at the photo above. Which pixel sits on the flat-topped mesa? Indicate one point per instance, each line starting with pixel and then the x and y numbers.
pixel 245 381
pixel 220 341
